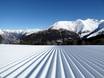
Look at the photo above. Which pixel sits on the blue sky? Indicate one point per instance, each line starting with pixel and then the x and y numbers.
pixel 42 13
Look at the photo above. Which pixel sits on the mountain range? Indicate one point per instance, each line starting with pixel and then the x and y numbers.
pixel 62 32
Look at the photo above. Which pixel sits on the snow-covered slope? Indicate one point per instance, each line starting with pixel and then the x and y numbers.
pixel 88 27
pixel 51 61
pixel 79 26
pixel 13 36
pixel 18 31
pixel 98 30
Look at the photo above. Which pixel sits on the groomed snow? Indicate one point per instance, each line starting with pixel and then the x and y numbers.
pixel 24 61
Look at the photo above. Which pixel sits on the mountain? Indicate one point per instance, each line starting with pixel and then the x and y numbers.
pixel 62 32
pixel 14 36
pixel 96 32
pixel 0 38
pixel 49 36
pixel 95 40
pixel 81 27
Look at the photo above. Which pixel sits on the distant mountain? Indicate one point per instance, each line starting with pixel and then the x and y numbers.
pixel 14 36
pixel 60 36
pixel 95 40
pixel 82 27
pixel 96 32
pixel 88 27
pixel 61 32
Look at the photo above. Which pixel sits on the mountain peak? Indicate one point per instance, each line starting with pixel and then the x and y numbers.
pixel 78 25
pixel 68 25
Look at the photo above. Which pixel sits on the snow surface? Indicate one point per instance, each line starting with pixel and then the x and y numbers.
pixel 22 61
pixel 83 26
pixel 27 31
pixel 88 24
pixel 13 36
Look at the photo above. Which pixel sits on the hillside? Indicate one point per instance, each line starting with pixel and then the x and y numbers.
pixel 78 32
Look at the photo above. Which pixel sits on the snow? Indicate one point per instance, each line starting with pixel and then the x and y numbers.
pixel 24 61
pixel 88 24
pixel 13 36
pixel 83 27
pixel 13 52
pixel 99 29
pixel 1 32
pixel 27 31
pixel 78 25
pixel 68 25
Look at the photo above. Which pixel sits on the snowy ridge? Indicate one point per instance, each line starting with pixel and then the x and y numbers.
pixel 28 31
pixel 88 25
pixel 13 36
pixel 79 26
pixel 84 28
pixel 56 62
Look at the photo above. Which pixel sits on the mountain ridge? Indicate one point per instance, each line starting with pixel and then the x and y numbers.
pixel 85 29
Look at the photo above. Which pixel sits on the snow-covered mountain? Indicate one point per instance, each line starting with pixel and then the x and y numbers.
pixel 96 31
pixel 82 27
pixel 26 31
pixel 13 36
